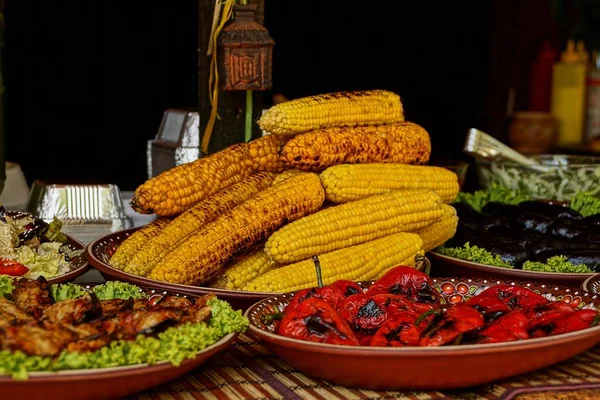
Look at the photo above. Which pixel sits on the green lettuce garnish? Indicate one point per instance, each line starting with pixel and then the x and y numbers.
pixel 66 291
pixel 474 254
pixel 556 264
pixel 585 203
pixel 6 285
pixel 496 193
pixel 46 261
pixel 174 345
pixel 117 290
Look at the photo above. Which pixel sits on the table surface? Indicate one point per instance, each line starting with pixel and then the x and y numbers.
pixel 247 370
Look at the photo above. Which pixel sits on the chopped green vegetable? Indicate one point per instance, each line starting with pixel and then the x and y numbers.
pixel 496 193
pixel 66 291
pixel 117 290
pixel 586 204
pixel 474 254
pixel 6 285
pixel 53 233
pixel 174 345
pixel 556 264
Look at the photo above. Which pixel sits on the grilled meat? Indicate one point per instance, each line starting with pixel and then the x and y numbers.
pixel 74 311
pixel 147 321
pixel 180 303
pixel 10 314
pixel 111 308
pixel 32 296
pixel 32 340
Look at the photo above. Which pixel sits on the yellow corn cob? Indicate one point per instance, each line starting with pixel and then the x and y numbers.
pixel 130 246
pixel 360 262
pixel 369 107
pixel 245 270
pixel 347 182
pixel 439 232
pixel 203 254
pixel 403 142
pixel 207 210
pixel 410 262
pixel 353 223
pixel 181 187
pixel 286 174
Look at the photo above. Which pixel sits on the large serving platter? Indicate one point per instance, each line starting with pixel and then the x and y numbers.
pixel 429 368
pixel 106 383
pixel 99 251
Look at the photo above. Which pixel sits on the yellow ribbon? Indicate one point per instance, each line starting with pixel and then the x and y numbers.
pixel 213 80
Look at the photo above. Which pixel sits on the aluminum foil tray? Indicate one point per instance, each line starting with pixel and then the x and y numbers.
pixel 80 205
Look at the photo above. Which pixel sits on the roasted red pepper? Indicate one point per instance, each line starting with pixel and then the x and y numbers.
pixel 316 320
pixel 299 297
pixel 393 303
pixel 448 327
pixel 398 330
pixel 507 328
pixel 333 296
pixel 542 316
pixel 363 313
pixel 515 297
pixel 348 288
pixel 407 282
pixel 580 319
pixel 12 267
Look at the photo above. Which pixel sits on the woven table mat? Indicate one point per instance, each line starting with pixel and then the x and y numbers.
pixel 246 370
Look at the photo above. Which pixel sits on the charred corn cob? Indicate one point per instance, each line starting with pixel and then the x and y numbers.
pixel 359 262
pixel 181 187
pixel 207 210
pixel 410 261
pixel 203 254
pixel 286 174
pixel 134 242
pixel 353 223
pixel 245 270
pixel 439 232
pixel 347 182
pixel 369 107
pixel 403 142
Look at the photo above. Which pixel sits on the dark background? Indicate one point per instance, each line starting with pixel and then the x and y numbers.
pixel 87 81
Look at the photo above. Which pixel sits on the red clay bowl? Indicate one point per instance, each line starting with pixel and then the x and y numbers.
pixel 105 383
pixel 99 251
pixel 429 368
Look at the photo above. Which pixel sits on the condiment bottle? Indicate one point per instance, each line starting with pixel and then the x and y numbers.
pixel 540 80
pixel 568 95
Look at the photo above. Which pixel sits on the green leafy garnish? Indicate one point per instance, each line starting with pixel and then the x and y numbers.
pixel 586 204
pixel 66 291
pixel 117 290
pixel 6 285
pixel 474 254
pixel 496 193
pixel 556 264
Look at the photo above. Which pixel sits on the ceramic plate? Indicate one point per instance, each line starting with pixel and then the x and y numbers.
pixel 79 264
pixel 429 368
pixel 99 251
pixel 105 383
pixel 445 266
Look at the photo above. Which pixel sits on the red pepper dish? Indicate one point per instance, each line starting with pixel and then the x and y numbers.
pixel 403 308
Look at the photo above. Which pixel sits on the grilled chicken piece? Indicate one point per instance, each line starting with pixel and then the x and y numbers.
pixel 180 303
pixel 91 336
pixel 198 315
pixel 32 296
pixel 202 300
pixel 147 321
pixel 10 314
pixel 74 311
pixel 36 340
pixel 140 304
pixel 111 308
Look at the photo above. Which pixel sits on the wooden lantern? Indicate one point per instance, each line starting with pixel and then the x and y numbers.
pixel 247 52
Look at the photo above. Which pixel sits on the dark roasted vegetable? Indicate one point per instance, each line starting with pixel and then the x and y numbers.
pixel 569 228
pixel 549 210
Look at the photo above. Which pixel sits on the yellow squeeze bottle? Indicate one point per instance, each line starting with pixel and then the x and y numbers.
pixel 568 95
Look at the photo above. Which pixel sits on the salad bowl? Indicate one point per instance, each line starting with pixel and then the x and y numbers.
pixel 111 381
pixel 429 368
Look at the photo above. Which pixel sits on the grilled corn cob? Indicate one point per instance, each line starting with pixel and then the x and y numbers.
pixel 439 232
pixel 180 188
pixel 369 107
pixel 245 270
pixel 354 223
pixel 410 262
pixel 359 262
pixel 207 210
pixel 403 142
pixel 134 242
pixel 203 254
pixel 347 182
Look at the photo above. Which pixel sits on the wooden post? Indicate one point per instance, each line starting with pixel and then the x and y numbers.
pixel 229 129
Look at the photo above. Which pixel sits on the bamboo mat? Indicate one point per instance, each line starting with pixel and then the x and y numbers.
pixel 246 370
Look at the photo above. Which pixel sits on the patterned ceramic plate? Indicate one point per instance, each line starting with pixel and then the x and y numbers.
pixel 430 368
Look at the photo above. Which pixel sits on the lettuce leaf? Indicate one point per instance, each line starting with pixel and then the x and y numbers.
pixel 6 285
